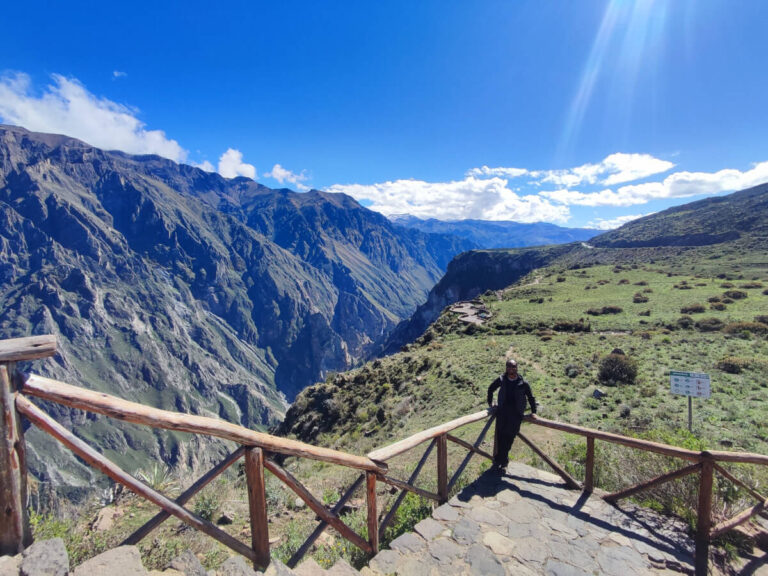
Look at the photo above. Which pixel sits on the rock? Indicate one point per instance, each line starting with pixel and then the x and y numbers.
pixel 298 503
pixel 235 566
pixel 466 531
pixel 598 394
pixel 445 512
pixel 277 568
pixel 500 545
pixel 385 562
pixel 408 542
pixel 121 561
pixel 429 529
pixel 556 568
pixel 309 568
pixel 342 568
pixel 483 563
pixel 188 564
pixel 225 519
pixel 10 565
pixel 45 558
pixel 444 550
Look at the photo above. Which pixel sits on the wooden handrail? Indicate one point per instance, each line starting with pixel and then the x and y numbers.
pixel 384 454
pixel 646 445
pixel 136 413
pixel 29 348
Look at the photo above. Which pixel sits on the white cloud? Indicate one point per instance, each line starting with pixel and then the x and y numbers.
pixel 602 224
pixel 67 107
pixel 205 165
pixel 119 74
pixel 231 165
pixel 486 199
pixel 282 175
pixel 615 169
pixel 485 171
pixel 677 185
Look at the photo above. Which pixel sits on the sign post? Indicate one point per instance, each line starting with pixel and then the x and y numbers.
pixel 691 384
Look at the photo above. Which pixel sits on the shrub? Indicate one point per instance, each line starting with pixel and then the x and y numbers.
pixel 616 368
pixel 735 294
pixel 709 324
pixel 572 370
pixel 717 306
pixel 641 283
pixel 685 322
pixel 727 301
pixel 594 311
pixel 612 310
pixel 749 285
pixel 732 364
pixel 727 285
pixel 739 327
pixel 639 298
pixel 623 281
pixel 694 308
pixel 561 278
pixel 713 299
pixel 762 318
pixel 765 291
pixel 644 313
pixel 568 326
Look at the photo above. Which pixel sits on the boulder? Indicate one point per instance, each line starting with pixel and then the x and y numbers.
pixel 120 561
pixel 45 558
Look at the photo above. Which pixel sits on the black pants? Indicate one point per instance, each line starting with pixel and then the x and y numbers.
pixel 507 428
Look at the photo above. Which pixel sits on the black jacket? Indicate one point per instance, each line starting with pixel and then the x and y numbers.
pixel 512 396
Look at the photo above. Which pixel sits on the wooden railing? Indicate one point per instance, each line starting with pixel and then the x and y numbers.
pixel 256 448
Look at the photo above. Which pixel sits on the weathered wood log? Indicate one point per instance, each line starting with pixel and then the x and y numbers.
pixel 93 458
pixel 442 468
pixel 739 457
pixel 646 445
pixel 372 511
pixel 691 469
pixel 752 492
pixel 304 548
pixel 384 454
pixel 704 513
pixel 317 507
pixel 740 518
pixel 468 457
pixel 411 481
pixel 468 446
pixel 29 348
pixel 15 533
pixel 570 481
pixel 184 497
pixel 409 487
pixel 257 505
pixel 589 471
pixel 139 414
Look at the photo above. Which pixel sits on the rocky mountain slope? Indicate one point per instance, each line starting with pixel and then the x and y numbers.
pixel 498 234
pixel 741 217
pixel 188 291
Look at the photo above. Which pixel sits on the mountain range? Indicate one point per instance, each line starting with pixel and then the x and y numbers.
pixel 498 234
pixel 179 288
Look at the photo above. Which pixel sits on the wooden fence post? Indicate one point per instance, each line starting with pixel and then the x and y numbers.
pixel 373 519
pixel 704 522
pixel 442 468
pixel 257 504
pixel 15 533
pixel 589 473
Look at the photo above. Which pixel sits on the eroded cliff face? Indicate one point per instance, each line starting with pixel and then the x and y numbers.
pixel 184 290
pixel 469 275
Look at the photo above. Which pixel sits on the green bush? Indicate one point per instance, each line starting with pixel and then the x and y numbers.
pixel 735 294
pixel 739 327
pixel 617 368
pixel 694 308
pixel 709 324
pixel 639 298
pixel 733 364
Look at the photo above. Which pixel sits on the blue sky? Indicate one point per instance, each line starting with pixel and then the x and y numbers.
pixel 580 113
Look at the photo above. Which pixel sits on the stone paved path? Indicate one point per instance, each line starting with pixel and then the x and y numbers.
pixel 526 522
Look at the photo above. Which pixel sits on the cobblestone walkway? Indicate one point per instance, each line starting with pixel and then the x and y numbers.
pixel 526 522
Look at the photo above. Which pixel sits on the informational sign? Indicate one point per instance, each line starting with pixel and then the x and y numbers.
pixel 695 384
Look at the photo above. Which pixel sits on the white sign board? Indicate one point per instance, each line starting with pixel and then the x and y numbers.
pixel 694 384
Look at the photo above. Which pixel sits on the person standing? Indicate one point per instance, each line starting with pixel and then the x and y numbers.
pixel 514 394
